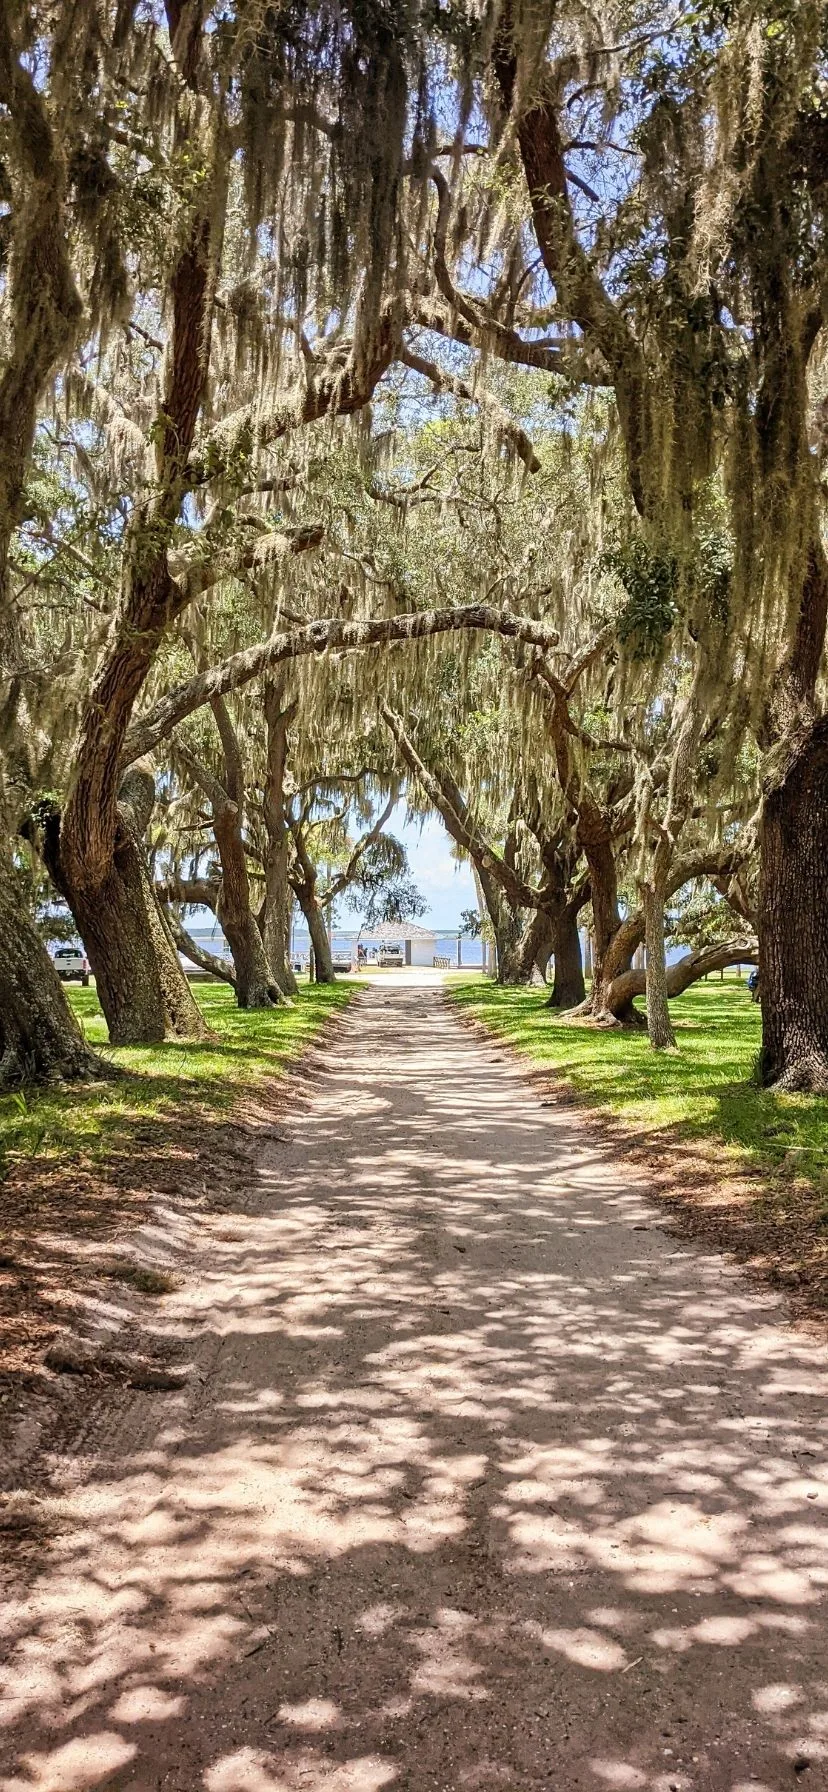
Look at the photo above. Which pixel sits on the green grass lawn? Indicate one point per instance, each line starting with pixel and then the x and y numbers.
pixel 160 1082
pixel 702 1092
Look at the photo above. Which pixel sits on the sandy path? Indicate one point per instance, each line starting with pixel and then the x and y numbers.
pixel 484 1485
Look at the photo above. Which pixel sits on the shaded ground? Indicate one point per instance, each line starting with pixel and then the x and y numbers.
pixel 156 1088
pixel 485 1482
pixel 89 1169
pixel 743 1168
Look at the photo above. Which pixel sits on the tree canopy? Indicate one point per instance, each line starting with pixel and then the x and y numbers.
pixel 424 401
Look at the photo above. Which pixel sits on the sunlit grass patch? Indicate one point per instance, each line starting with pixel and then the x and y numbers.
pixel 705 1091
pixel 161 1081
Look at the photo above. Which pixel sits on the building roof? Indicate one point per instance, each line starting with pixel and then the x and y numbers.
pixel 391 931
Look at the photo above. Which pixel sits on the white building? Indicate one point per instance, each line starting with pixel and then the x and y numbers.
pixel 419 944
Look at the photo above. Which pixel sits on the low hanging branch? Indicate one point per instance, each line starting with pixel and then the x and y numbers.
pixel 461 824
pixel 687 971
pixel 206 961
pixel 323 636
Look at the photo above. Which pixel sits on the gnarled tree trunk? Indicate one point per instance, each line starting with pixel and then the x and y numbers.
pixel 140 983
pixel 535 948
pixel 40 1040
pixel 278 900
pixel 568 988
pixel 255 987
pixel 507 927
pixel 612 953
pixel 659 1025
pixel 687 970
pixel 793 922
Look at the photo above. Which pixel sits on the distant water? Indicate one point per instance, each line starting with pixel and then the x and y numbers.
pixel 211 939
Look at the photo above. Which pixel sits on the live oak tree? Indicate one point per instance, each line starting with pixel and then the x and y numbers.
pixel 675 179
pixel 222 100
pixel 55 125
pixel 211 260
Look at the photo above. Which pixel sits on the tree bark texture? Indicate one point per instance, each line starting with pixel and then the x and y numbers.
pixel 255 986
pixel 507 926
pixel 611 952
pixel 568 988
pixel 659 1025
pixel 40 1040
pixel 140 983
pixel 535 947
pixel 320 943
pixel 793 922
pixel 278 913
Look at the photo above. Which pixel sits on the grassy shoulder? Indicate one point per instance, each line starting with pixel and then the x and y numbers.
pixel 758 1160
pixel 158 1084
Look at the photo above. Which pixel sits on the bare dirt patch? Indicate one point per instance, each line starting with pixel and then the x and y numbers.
pixel 480 1480
pixel 89 1251
pixel 771 1224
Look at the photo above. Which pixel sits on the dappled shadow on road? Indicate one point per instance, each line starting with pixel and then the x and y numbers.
pixel 742 1168
pixel 487 1483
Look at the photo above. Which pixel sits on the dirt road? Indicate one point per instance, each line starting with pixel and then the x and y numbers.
pixel 485 1483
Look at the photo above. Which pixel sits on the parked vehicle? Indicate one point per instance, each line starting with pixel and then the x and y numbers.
pixel 71 962
pixel 392 954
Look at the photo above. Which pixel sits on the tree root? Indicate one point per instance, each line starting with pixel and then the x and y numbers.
pixel 807 1075
pixel 68 1357
pixel 19 1071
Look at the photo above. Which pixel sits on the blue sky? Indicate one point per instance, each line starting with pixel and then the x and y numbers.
pixel 447 887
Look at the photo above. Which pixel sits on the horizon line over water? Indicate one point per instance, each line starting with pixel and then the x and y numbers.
pixel 445 942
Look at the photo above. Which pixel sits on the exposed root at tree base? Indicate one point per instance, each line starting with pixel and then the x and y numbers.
pixel 604 1020
pixel 805 1076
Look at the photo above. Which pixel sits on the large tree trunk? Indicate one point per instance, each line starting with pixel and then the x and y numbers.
pixel 40 1040
pixel 278 902
pixel 659 1025
pixel 793 922
pixel 323 958
pixel 512 966
pixel 276 921
pixel 255 987
pixel 568 989
pixel 140 982
pixel 611 957
pixel 535 946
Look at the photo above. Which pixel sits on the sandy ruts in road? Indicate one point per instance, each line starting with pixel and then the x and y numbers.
pixel 487 1483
